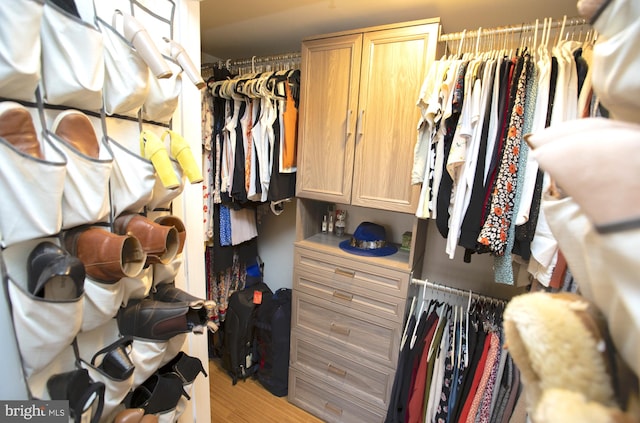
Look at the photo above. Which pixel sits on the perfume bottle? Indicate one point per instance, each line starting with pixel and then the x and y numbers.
pixel 330 227
pixel 340 224
pixel 324 223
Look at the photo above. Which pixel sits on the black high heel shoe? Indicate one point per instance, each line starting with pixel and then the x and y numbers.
pixel 157 394
pixel 54 274
pixel 186 367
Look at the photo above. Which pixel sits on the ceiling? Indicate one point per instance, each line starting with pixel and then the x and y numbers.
pixel 233 29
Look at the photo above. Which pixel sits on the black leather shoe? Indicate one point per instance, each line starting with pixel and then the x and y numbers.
pixel 114 359
pixel 54 274
pixel 159 320
pixel 157 394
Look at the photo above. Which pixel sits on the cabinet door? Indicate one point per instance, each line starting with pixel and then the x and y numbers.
pixel 394 63
pixel 330 71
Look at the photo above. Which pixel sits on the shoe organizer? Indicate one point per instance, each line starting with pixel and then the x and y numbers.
pixel 126 80
pixel 31 190
pixel 44 327
pixel 94 347
pixel 174 346
pixel 101 303
pixel 136 288
pixel 132 180
pixel 166 273
pixel 147 356
pixel 162 100
pixel 85 199
pixel 72 60
pixel 20 48
pixel 162 197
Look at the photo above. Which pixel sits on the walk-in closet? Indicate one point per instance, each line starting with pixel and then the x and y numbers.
pixel 319 211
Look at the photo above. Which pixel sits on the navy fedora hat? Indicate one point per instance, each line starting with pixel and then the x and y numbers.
pixel 369 239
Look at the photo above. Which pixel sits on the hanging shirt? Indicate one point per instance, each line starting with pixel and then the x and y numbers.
pixel 429 108
pixel 289 141
pixel 481 94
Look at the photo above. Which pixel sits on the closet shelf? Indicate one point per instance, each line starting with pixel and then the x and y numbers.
pixel 328 243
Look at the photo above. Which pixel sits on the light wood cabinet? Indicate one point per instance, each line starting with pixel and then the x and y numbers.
pixel 357 133
pixel 346 319
pixel 358 114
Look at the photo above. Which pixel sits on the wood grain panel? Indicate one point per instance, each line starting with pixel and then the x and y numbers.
pixel 360 332
pixel 329 83
pixel 328 403
pixel 394 63
pixel 362 378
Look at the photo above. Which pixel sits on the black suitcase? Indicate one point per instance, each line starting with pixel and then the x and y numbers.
pixel 237 354
pixel 273 335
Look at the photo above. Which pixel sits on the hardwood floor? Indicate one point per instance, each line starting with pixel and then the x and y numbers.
pixel 249 402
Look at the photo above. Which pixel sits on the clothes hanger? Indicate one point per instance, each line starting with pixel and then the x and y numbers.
pixel 420 312
pixel 406 325
pixel 466 358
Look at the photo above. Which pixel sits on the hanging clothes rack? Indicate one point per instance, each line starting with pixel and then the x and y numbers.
pixel 255 64
pixel 512 29
pixel 455 291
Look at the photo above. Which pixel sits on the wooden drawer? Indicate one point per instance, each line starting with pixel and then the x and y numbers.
pixel 365 379
pixel 354 297
pixel 367 336
pixel 329 403
pixel 351 274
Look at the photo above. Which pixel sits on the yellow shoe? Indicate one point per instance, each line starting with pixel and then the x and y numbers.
pixel 181 151
pixel 152 148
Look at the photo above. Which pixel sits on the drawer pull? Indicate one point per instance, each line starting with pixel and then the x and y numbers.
pixel 336 371
pixel 343 296
pixel 347 273
pixel 333 408
pixel 340 329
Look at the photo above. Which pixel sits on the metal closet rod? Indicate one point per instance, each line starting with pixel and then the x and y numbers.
pixel 264 59
pixel 256 60
pixel 512 29
pixel 456 291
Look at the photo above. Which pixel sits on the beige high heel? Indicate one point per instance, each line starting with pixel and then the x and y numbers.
pixel 178 53
pixel 137 35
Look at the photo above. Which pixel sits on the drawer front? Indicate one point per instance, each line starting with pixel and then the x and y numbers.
pixel 355 297
pixel 362 378
pixel 350 274
pixel 362 333
pixel 328 403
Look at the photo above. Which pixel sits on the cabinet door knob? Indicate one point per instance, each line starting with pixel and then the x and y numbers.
pixel 343 296
pixel 347 273
pixel 349 123
pixel 336 371
pixel 340 329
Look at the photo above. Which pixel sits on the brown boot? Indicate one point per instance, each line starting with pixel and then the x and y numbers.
pixel 158 241
pixel 129 415
pixel 179 225
pixel 16 126
pixel 107 257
